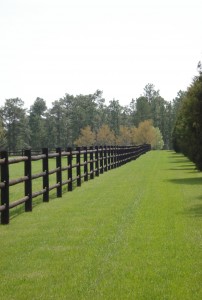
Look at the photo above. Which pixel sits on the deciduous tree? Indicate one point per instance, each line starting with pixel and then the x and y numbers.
pixel 105 136
pixel 125 136
pixel 87 137
pixel 146 133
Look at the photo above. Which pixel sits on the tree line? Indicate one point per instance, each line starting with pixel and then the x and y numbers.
pixel 70 118
pixel 187 133
pixel 145 133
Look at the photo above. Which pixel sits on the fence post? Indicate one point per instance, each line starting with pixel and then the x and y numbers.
pixel 5 189
pixel 116 157
pixel 85 160
pixel 120 156
pixel 97 161
pixel 91 163
pixel 105 158
pixel 112 157
pixel 131 153
pixel 46 176
pixel 123 152
pixel 125 157
pixel 135 151
pixel 101 160
pixel 69 161
pixel 59 172
pixel 78 168
pixel 28 183
pixel 108 158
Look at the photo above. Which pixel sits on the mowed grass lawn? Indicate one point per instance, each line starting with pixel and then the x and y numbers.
pixel 133 233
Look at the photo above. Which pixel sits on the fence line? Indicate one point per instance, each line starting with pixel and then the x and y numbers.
pixel 90 162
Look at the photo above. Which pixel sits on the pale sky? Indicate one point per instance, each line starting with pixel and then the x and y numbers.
pixel 52 47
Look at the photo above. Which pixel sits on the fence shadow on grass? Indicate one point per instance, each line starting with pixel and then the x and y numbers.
pixel 21 209
pixel 37 201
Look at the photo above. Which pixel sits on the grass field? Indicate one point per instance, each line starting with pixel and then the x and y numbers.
pixel 133 233
pixel 17 171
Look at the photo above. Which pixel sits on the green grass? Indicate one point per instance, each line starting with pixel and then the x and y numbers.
pixel 133 233
pixel 17 171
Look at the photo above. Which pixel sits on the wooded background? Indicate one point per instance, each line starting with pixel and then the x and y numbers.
pixel 61 124
pixel 87 120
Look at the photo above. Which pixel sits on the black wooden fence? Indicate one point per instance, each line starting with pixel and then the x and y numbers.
pixel 85 162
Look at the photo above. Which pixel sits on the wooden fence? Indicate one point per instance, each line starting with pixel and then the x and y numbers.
pixel 86 163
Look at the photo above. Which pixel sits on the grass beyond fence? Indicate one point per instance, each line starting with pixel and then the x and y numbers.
pixel 134 233
pixel 81 164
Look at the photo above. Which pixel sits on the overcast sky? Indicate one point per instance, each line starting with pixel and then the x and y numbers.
pixel 52 47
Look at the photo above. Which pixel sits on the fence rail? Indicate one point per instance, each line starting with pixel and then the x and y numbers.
pixel 87 163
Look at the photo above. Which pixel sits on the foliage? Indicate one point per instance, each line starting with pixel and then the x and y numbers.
pixel 2 136
pixel 105 136
pixel 61 124
pixel 37 124
pixel 142 110
pixel 124 137
pixel 158 142
pixel 87 137
pixel 114 115
pixel 15 123
pixel 146 133
pixel 152 106
pixel 187 134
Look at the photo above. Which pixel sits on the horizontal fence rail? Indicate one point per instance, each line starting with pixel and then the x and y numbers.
pixel 81 163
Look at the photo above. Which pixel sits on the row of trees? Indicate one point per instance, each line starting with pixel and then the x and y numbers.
pixel 61 124
pixel 187 134
pixel 144 133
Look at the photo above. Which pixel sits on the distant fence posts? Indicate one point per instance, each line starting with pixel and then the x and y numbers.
pixel 78 168
pixel 91 163
pixel 85 159
pixel 97 161
pixel 101 160
pixel 86 163
pixel 69 161
pixel 59 172
pixel 45 176
pixel 105 159
pixel 28 182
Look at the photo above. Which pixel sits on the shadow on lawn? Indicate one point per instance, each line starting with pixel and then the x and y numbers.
pixel 184 168
pixel 20 209
pixel 194 211
pixel 180 160
pixel 16 211
pixel 181 164
pixel 190 181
